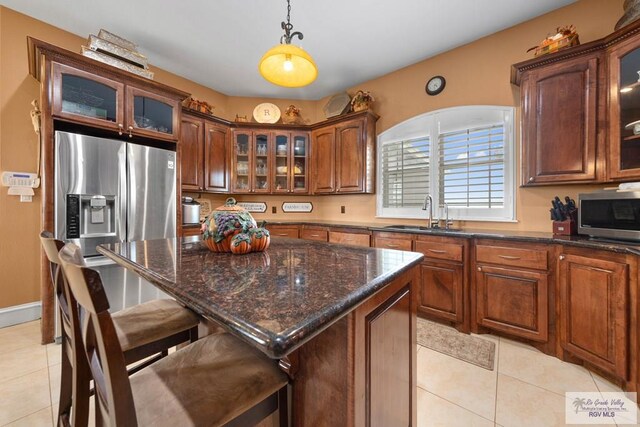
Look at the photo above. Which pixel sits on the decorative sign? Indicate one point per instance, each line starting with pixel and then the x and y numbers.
pixel 297 207
pixel 259 207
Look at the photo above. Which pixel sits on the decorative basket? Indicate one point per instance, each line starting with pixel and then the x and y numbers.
pixel 562 43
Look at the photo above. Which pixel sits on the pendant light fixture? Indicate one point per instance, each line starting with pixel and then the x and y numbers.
pixel 286 64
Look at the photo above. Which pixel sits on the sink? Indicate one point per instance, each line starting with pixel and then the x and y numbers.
pixel 421 228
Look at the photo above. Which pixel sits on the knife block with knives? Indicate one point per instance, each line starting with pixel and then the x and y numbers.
pixel 564 216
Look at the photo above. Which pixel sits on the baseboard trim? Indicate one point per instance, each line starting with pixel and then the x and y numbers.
pixel 17 314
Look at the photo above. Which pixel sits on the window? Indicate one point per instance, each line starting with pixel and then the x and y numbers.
pixel 461 156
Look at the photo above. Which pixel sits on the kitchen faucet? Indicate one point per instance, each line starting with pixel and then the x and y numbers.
pixel 428 200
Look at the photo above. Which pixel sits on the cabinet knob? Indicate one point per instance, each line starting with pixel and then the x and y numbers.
pixel 479 268
pixel 561 257
pixel 120 129
pixel 130 130
pixel 530 178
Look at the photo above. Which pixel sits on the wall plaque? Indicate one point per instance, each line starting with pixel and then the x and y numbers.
pixel 303 207
pixel 259 207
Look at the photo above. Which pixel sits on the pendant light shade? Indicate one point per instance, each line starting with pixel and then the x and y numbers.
pixel 288 65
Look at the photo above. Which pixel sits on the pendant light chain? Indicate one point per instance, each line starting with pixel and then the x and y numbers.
pixel 287 27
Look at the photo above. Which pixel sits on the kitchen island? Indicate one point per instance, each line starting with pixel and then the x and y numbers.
pixel 341 319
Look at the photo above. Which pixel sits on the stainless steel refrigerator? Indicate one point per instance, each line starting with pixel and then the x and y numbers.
pixel 107 191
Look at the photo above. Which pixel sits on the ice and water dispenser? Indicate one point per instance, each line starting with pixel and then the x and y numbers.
pixel 91 217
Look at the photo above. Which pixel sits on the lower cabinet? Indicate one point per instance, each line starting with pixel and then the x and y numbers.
pixel 442 291
pixel 593 302
pixel 283 231
pixel 350 238
pixel 513 301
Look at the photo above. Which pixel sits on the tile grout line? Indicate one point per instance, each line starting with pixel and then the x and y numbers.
pixel 495 404
pixel 454 404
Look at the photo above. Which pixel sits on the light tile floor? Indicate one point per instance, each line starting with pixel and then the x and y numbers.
pixel 526 387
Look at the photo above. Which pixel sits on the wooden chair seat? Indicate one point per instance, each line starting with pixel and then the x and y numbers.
pixel 209 382
pixel 151 321
pixel 216 381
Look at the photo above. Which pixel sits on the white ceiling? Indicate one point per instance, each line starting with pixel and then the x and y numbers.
pixel 218 43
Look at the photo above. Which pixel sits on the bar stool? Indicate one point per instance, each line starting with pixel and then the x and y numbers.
pixel 142 331
pixel 216 381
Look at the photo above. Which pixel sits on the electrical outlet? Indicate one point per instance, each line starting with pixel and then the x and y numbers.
pixel 342 209
pixel 274 209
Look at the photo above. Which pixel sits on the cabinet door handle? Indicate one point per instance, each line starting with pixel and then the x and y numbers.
pixel 315 235
pixel 530 179
pixel 437 251
pixel 510 257
pixel 282 234
pixel 120 129
pixel 389 245
pixel 561 257
pixel 130 130
pixel 479 268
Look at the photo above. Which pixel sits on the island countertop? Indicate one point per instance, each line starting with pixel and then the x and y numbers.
pixel 276 300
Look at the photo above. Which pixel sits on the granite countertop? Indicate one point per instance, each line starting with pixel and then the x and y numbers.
pixel 527 236
pixel 276 300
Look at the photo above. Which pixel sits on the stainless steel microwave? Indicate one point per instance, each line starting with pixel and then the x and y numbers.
pixel 610 213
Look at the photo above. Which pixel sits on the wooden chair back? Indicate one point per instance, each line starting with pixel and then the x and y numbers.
pixel 113 397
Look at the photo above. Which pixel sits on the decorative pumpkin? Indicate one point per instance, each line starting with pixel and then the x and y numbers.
pixel 226 222
pixel 260 239
pixel 241 243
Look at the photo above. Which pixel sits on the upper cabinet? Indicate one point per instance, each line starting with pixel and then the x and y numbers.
pixel 80 90
pixel 579 112
pixel 344 155
pixel 204 155
pixel 624 111
pixel 559 119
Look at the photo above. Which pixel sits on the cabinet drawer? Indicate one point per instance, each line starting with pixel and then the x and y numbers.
pixel 399 244
pixel 438 250
pixel 278 231
pixel 349 238
pixel 314 234
pixel 191 231
pixel 525 258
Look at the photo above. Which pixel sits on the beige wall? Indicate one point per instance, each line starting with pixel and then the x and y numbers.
pixel 477 73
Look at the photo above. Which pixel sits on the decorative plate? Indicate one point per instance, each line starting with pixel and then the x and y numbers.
pixel 266 113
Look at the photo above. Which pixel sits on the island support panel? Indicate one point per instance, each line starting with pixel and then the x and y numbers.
pixel 361 371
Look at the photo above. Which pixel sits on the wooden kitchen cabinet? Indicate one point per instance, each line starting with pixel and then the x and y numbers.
pixel 560 121
pixel 444 286
pixel 324 160
pixel 593 305
pixel 204 155
pixel 113 103
pixel 87 98
pixel 320 234
pixel 217 158
pixel 347 237
pixel 151 114
pixel 291 231
pixel 344 155
pixel 624 142
pixel 387 240
pixel 511 289
pixel 191 154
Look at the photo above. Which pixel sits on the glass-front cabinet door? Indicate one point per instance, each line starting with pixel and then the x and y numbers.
pixel 282 163
pixel 624 129
pixel 300 149
pixel 261 149
pixel 151 115
pixel 241 165
pixel 87 98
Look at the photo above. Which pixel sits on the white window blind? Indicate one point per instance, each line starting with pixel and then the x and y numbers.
pixel 471 167
pixel 405 172
pixel 461 156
